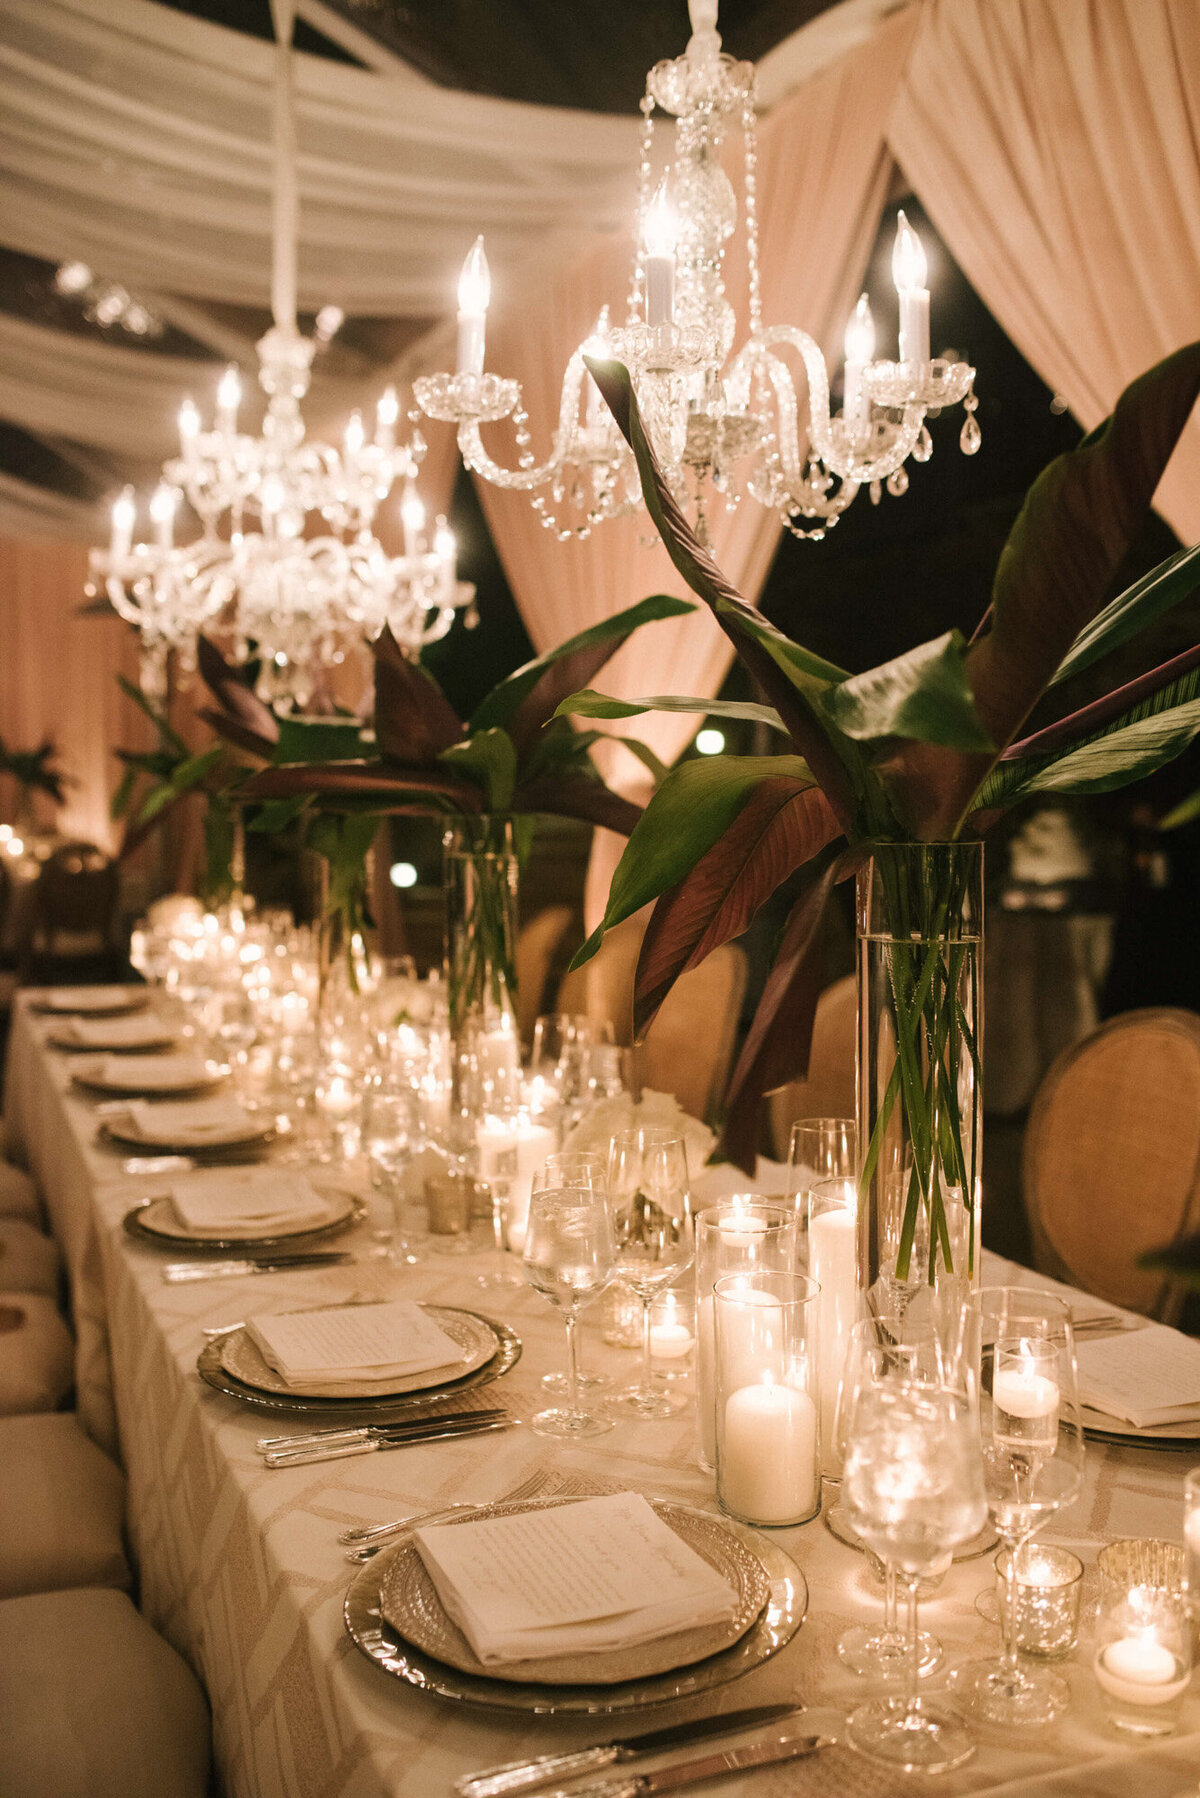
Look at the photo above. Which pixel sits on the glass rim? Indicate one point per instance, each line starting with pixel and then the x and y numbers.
pixel 1006 1555
pixel 784 1214
pixel 738 1291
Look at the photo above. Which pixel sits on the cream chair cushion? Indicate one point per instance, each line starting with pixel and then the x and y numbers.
pixel 94 1704
pixel 61 1501
pixel 29 1260
pixel 19 1195
pixel 37 1355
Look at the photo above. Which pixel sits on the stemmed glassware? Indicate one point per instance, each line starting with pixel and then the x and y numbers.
pixel 568 1258
pixel 913 1489
pixel 649 1195
pixel 561 1057
pixel 391 1138
pixel 1032 1440
pixel 574 1167
pixel 818 1149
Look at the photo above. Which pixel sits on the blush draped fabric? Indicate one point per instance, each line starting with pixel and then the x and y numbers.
pixel 1056 145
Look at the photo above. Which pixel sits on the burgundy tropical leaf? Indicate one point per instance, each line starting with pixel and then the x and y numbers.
pixel 1103 711
pixel 380 781
pixel 575 796
pixel 558 681
pixel 231 730
pixel 783 824
pixel 240 705
pixel 414 721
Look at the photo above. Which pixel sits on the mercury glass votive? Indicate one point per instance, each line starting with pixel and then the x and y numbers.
pixel 1049 1584
pixel 1143 1660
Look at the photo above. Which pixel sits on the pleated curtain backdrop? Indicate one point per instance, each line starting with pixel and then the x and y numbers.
pixel 1056 145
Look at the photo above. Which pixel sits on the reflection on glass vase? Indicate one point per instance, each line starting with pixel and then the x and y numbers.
pixel 920 1100
pixel 480 882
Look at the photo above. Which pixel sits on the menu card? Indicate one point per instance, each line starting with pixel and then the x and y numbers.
pixel 603 1573
pixel 250 1202
pixel 113 1033
pixel 1147 1377
pixel 202 1123
pixel 151 1073
pixel 346 1344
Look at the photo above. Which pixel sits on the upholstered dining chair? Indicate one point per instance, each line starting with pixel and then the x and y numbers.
pixel 1111 1162
pixel 827 1090
pixel 75 907
pixel 538 942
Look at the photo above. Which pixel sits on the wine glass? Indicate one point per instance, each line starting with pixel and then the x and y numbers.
pixel 574 1167
pixel 648 1191
pixel 1032 1442
pixel 818 1149
pixel 391 1139
pixel 874 1355
pixel 561 1056
pixel 568 1258
pixel 913 1490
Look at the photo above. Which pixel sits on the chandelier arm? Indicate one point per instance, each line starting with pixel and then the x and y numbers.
pixel 525 479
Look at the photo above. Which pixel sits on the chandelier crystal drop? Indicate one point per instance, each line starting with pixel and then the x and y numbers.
pixel 286 565
pixel 725 426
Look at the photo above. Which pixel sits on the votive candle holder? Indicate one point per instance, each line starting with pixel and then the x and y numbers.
pixel 1049 1586
pixel 1143 1659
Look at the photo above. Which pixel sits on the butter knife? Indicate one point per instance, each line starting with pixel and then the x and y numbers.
pixel 692 1773
pixel 544 1769
pixel 179 1273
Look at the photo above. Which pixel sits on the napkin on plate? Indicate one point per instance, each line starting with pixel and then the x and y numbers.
pixel 600 1574
pixel 92 998
pixel 250 1202
pixel 113 1033
pixel 344 1345
pixel 1147 1377
pixel 151 1073
pixel 202 1123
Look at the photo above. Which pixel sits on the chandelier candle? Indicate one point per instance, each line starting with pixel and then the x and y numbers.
pixel 229 398
pixel 860 348
pixel 660 234
pixel 909 274
pixel 474 293
pixel 123 514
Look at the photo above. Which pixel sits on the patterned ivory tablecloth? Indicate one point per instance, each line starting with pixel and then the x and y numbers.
pixel 239 1565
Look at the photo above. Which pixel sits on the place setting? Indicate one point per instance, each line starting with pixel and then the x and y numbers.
pixel 91 1001
pixel 140 1032
pixel 119 1075
pixel 217 1129
pixel 252 1211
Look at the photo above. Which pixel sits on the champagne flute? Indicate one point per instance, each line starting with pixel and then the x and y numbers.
pixel 913 1489
pixel 585 1168
pixel 648 1191
pixel 1032 1440
pixel 568 1258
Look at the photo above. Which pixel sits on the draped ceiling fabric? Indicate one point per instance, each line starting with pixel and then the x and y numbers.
pixel 1056 145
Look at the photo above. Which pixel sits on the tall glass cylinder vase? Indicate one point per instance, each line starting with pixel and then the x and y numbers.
pixel 480 882
pixel 920 1095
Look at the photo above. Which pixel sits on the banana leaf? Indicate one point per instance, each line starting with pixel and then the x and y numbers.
pixel 589 704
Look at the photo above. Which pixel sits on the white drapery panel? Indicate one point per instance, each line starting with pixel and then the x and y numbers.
pixel 139 139
pixel 1056 144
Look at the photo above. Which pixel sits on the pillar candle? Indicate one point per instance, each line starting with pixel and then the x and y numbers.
pixel 768 1468
pixel 832 1262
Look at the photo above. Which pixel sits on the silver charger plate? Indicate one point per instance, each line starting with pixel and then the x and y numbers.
pixel 136 1000
pixel 410 1604
pixel 150 1045
pixel 772 1630
pixel 231 1149
pixel 154 1221
pixel 241 1358
pixel 1098 1426
pixel 141 1089
pixel 840 1527
pixel 356 1411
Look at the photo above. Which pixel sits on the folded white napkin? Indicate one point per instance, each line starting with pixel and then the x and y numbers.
pixel 198 1124
pixel 601 1122
pixel 341 1345
pixel 1148 1377
pixel 113 1033
pixel 93 998
pixel 600 1574
pixel 250 1202
pixel 151 1073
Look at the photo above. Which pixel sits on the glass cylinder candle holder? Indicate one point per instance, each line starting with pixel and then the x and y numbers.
pixel 1143 1660
pixel 818 1149
pixel 622 1316
pixel 672 1335
pixel 768 1425
pixel 740 1237
pixel 833 1264
pixel 1191 1544
pixel 1049 1583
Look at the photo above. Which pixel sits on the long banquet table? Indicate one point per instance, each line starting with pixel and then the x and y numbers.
pixel 240 1568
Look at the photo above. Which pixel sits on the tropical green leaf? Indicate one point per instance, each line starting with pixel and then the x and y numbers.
pixel 196 768
pixel 489 758
pixel 645 755
pixel 580 796
pixel 278 815
pixel 694 806
pixel 1168 585
pixel 311 740
pixel 589 704
pixel 1184 813
pixel 120 802
pixel 156 802
pixel 923 694
pixel 168 737
pixel 586 652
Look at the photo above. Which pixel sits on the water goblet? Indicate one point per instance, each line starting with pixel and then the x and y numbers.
pixel 391 1139
pixel 649 1195
pixel 913 1490
pixel 1032 1442
pixel 570 1168
pixel 568 1258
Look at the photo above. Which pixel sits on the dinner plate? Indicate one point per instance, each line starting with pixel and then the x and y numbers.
pixel 140 1088
pixel 772 1630
pixel 355 1411
pixel 1100 1427
pixel 231 1149
pixel 155 1221
pixel 147 1045
pixel 410 1604
pixel 102 1002
pixel 242 1359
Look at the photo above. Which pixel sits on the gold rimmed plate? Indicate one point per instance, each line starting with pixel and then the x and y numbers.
pixel 410 1604
pixel 234 1148
pixel 99 1002
pixel 139 1086
pixel 156 1222
pixel 384 1409
pixel 146 1045
pixel 772 1629
pixel 241 1358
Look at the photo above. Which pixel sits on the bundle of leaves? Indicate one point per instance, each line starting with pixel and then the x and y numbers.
pixel 920 749
pixel 35 770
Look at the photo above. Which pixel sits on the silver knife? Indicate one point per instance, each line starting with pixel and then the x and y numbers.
pixel 428 1420
pixel 544 1769
pixel 691 1773
pixel 338 1450
pixel 178 1273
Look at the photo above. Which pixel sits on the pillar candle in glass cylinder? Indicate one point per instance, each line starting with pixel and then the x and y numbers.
pixel 511 1149
pixel 742 1236
pixel 832 1262
pixel 768 1427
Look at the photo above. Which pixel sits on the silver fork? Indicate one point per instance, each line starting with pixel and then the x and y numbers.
pixel 360 1536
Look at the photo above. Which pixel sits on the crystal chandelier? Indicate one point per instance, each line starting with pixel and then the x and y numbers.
pixel 286 565
pixel 720 426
